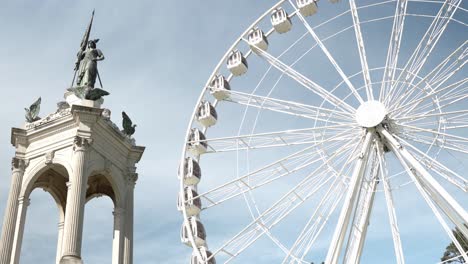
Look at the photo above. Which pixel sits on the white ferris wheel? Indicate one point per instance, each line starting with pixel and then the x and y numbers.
pixel 320 116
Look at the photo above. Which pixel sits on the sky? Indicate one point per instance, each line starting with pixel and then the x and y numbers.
pixel 159 55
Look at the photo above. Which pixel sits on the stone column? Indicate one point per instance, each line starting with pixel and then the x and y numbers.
pixel 11 211
pixel 60 241
pixel 118 241
pixel 76 199
pixel 19 230
pixel 128 240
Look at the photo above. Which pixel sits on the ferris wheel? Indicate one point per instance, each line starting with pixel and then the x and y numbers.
pixel 319 117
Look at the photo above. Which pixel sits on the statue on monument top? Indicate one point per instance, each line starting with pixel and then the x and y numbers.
pixel 87 60
pixel 86 68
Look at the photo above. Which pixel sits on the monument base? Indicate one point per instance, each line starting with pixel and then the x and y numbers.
pixel 71 260
pixel 72 99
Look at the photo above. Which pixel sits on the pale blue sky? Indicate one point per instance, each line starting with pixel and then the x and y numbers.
pixel 159 55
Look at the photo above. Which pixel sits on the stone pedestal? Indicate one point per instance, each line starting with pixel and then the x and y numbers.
pixel 72 99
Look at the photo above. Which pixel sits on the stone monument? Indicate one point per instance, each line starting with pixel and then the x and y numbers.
pixel 75 154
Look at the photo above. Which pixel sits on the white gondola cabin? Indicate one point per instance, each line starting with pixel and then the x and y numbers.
pixel 206 114
pixel 192 202
pixel 280 20
pixel 237 63
pixel 307 7
pixel 192 172
pixel 205 254
pixel 197 142
pixel 198 231
pixel 257 38
pixel 220 87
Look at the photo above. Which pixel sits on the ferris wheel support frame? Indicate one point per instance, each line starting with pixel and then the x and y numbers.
pixel 345 215
pixel 358 232
pixel 431 190
pixel 400 257
pixel 413 173
pixel 441 197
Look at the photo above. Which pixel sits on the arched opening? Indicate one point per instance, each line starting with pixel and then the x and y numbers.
pixel 45 215
pixel 41 233
pixel 98 229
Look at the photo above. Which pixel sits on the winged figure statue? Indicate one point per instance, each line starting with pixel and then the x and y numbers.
pixel 32 114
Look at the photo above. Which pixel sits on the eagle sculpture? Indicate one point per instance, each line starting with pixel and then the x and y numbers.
pixel 127 124
pixel 32 114
pixel 88 93
pixel 95 94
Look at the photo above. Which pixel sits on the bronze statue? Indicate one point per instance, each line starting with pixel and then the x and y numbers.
pixel 87 70
pixel 86 60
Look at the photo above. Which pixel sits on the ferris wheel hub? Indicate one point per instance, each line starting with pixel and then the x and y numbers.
pixel 370 114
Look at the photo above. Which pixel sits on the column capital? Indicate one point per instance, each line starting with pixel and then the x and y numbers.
pixel 19 164
pixel 81 143
pixel 132 178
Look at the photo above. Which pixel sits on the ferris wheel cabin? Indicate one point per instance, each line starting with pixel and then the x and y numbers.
pixel 192 172
pixel 192 202
pixel 198 231
pixel 205 254
pixel 257 38
pixel 307 7
pixel 237 63
pixel 220 87
pixel 207 115
pixel 197 142
pixel 280 20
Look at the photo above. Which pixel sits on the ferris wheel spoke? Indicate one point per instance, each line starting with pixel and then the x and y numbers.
pixel 304 81
pixel 437 77
pixel 362 50
pixel 434 165
pixel 319 218
pixel 291 108
pixel 272 172
pixel 427 185
pixel 437 106
pixel 450 91
pixel 327 53
pixel 458 139
pixel 439 139
pixel 283 207
pixel 362 211
pixel 316 223
pixel 353 188
pixel 306 136
pixel 444 144
pixel 425 47
pixel 448 120
pixel 390 206
pixel 393 47
pixel 449 116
